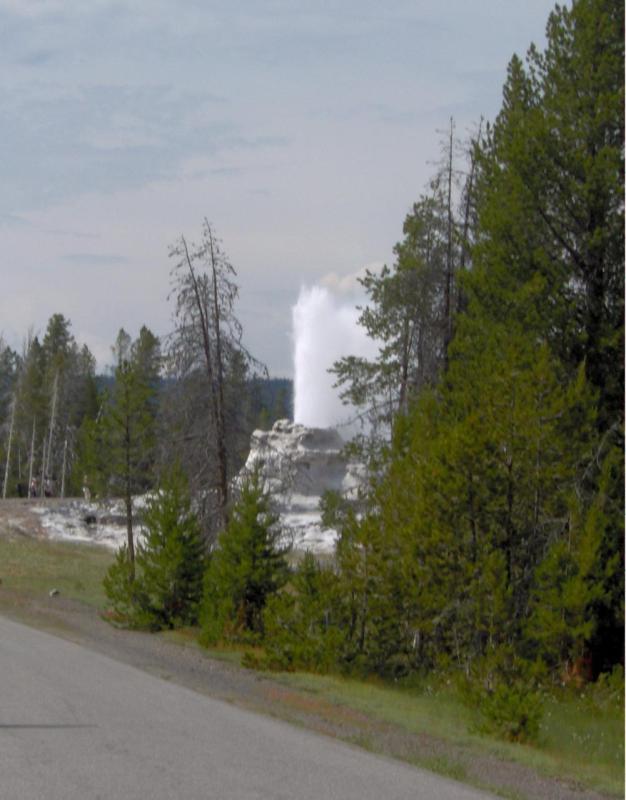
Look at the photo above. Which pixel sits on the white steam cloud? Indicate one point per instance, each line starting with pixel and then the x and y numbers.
pixel 325 328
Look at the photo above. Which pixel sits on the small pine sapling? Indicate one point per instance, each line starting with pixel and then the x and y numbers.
pixel 171 560
pixel 246 568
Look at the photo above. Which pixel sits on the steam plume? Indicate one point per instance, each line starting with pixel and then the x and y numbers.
pixel 325 329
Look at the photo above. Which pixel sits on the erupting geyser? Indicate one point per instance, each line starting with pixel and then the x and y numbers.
pixel 301 460
pixel 325 329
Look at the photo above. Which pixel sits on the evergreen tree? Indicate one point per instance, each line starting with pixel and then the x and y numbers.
pixel 129 429
pixel 9 378
pixel 479 488
pixel 405 313
pixel 92 463
pixel 551 196
pixel 53 391
pixel 302 622
pixel 9 363
pixel 605 536
pixel 494 534
pixel 162 587
pixel 550 251
pixel 171 558
pixel 123 591
pixel 247 566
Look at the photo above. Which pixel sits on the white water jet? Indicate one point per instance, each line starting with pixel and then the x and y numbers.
pixel 325 328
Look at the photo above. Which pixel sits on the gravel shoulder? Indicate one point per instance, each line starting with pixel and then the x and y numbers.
pixel 190 666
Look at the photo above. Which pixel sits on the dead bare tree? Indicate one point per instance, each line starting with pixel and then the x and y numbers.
pixel 207 340
pixel 10 441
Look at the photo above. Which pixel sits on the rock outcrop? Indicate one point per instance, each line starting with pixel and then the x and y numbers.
pixel 298 464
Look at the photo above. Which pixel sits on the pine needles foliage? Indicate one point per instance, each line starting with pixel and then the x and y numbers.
pixel 123 591
pixel 171 560
pixel 246 568
pixel 302 622
pixel 164 589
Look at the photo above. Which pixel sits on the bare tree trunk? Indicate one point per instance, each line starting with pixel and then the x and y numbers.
pixel 128 499
pixel 449 266
pixel 53 413
pixel 215 383
pixel 64 465
pixel 221 438
pixel 31 460
pixel 469 189
pixel 43 470
pixel 8 464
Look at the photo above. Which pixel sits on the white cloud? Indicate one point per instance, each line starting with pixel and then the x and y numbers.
pixel 349 284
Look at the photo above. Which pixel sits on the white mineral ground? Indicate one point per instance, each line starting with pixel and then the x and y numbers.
pixel 297 465
pixel 102 523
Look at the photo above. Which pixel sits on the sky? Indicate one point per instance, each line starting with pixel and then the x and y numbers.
pixel 303 130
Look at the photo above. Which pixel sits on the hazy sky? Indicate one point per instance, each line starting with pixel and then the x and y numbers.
pixel 302 129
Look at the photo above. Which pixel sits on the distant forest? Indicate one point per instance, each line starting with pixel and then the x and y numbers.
pixel 62 425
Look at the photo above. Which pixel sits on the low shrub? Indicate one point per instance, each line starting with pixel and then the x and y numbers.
pixel 511 711
pixel 124 593
pixel 300 625
pixel 503 695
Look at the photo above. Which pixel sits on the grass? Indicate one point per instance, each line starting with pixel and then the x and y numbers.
pixel 578 730
pixel 33 567
pixel 443 765
pixel 580 739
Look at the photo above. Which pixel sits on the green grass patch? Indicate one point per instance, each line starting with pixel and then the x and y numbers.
pixel 580 740
pixel 33 567
pixel 443 765
pixel 579 731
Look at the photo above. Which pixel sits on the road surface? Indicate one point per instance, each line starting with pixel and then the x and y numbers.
pixel 76 725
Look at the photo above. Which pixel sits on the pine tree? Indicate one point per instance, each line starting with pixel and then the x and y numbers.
pixel 53 391
pixel 550 252
pixel 124 591
pixel 171 558
pixel 406 314
pixel 247 566
pixel 129 430
pixel 551 196
pixel 479 487
pixel 303 622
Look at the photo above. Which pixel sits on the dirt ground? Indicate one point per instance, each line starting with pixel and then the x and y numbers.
pixel 17 517
pixel 189 666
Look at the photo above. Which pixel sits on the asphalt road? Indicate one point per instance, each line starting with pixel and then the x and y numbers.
pixel 75 725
